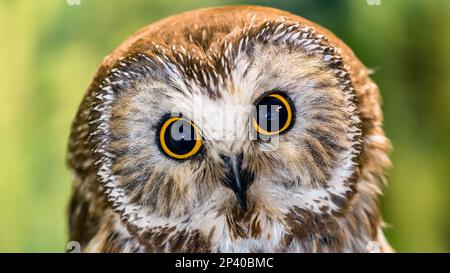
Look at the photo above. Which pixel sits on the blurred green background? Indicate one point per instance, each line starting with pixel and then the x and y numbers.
pixel 49 51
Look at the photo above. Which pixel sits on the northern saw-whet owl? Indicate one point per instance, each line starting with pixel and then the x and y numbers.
pixel 164 162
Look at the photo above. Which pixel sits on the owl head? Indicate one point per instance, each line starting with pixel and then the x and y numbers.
pixel 230 123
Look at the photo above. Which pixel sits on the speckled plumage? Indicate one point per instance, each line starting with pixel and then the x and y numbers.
pixel 318 192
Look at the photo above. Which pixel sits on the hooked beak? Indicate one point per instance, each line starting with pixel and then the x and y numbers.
pixel 237 178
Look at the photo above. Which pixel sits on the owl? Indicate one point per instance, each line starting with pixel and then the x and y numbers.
pixel 233 129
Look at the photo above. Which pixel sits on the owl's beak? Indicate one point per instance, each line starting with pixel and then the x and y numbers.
pixel 237 178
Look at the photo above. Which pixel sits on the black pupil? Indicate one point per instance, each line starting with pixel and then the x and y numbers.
pixel 180 137
pixel 271 114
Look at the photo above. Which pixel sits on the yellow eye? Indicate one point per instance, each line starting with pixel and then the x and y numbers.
pixel 274 114
pixel 179 138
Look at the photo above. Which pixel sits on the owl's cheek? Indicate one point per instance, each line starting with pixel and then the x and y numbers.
pixel 302 162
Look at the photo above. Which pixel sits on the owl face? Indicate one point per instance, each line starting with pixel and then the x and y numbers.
pixel 258 125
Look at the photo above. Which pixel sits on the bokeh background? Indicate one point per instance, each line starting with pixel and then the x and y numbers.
pixel 49 50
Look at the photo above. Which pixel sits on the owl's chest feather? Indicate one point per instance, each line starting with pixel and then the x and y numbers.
pixel 258 234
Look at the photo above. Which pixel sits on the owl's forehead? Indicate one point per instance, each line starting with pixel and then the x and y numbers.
pixel 209 56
